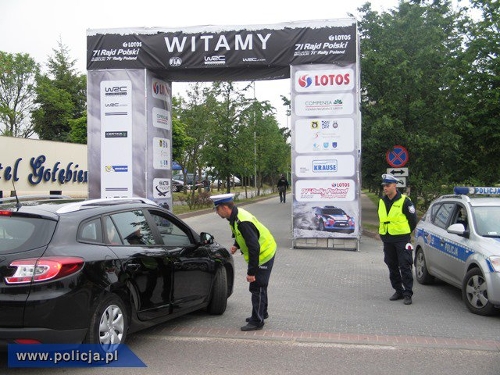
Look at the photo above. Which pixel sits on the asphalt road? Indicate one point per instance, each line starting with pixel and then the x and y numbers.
pixel 329 313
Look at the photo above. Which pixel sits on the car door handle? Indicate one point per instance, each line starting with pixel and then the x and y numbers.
pixel 133 266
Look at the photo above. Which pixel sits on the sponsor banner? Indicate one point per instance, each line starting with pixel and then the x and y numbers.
pixel 159 140
pixel 161 90
pixel 325 166
pixel 116 138
pixel 331 104
pixel 161 153
pixel 324 135
pixel 338 219
pixel 161 118
pixel 325 190
pixel 71 355
pixel 162 188
pixel 207 49
pixel 324 80
pixel 325 151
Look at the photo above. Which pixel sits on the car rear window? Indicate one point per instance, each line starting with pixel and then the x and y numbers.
pixel 18 233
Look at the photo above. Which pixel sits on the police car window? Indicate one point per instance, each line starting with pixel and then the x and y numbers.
pixel 442 217
pixel 461 216
pixel 171 233
pixel 487 221
pixel 133 228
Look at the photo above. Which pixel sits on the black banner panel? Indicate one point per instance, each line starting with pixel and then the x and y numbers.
pixel 231 53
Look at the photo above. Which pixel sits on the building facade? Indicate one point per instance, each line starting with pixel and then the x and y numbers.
pixel 36 167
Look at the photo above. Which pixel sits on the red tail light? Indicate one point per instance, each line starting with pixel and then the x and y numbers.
pixel 5 213
pixel 43 269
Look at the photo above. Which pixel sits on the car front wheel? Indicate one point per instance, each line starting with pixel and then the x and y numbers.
pixel 421 272
pixel 218 300
pixel 475 293
pixel 109 323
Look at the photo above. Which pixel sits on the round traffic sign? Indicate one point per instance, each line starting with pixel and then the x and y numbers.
pixel 397 157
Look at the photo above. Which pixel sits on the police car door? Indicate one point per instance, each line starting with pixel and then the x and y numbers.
pixel 444 248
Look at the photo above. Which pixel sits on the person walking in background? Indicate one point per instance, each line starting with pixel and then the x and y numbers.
pixel 258 247
pixel 282 188
pixel 398 219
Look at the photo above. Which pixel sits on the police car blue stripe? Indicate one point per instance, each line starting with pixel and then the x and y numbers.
pixel 450 248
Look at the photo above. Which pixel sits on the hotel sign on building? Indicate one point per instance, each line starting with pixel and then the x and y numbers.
pixel 32 166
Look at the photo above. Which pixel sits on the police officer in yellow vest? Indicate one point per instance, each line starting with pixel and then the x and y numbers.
pixel 398 219
pixel 258 247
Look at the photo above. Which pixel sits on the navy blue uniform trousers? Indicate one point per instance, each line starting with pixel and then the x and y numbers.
pixel 399 261
pixel 258 288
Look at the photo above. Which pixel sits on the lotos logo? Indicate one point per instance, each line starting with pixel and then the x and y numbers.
pixel 160 89
pixel 325 80
pixel 305 81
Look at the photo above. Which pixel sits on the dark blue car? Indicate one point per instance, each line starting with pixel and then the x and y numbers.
pixel 331 218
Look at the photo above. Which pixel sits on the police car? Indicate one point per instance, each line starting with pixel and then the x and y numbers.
pixel 458 241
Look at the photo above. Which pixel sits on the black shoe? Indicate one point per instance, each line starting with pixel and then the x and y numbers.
pixel 251 327
pixel 407 300
pixel 396 296
pixel 266 315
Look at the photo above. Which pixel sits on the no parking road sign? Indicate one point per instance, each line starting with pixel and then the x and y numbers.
pixel 397 157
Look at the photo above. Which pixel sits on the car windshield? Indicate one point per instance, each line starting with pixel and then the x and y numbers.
pixel 487 220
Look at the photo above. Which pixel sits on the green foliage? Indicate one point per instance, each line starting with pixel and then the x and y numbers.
pixel 78 132
pixel 61 96
pixel 422 89
pixel 17 87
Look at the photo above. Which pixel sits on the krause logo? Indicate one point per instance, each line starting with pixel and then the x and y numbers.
pixel 322 166
pixel 160 89
pixel 215 60
pixel 324 80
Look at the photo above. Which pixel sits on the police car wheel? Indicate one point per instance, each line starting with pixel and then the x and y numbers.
pixel 475 294
pixel 421 272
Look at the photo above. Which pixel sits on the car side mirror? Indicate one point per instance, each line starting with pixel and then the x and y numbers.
pixel 458 229
pixel 206 238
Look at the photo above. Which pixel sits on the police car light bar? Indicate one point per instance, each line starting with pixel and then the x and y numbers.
pixel 464 190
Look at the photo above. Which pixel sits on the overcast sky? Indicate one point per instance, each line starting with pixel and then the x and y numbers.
pixel 36 26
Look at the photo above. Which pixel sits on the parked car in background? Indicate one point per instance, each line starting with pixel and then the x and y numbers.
pixel 331 218
pixel 95 271
pixel 177 185
pixel 458 241
pixel 234 181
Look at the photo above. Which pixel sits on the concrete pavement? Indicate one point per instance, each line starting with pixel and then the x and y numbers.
pixel 336 296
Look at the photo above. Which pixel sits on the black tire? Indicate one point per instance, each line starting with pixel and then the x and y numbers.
pixel 321 225
pixel 218 300
pixel 421 273
pixel 475 294
pixel 109 323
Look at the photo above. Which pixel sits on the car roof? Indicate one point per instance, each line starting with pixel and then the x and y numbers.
pixel 473 201
pixel 55 208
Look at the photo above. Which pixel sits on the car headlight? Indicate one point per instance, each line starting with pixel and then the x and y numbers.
pixel 495 263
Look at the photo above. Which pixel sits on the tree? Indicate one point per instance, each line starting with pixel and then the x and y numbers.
pixel 61 95
pixel 478 93
pixel 180 139
pixel 17 88
pixel 222 151
pixel 407 63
